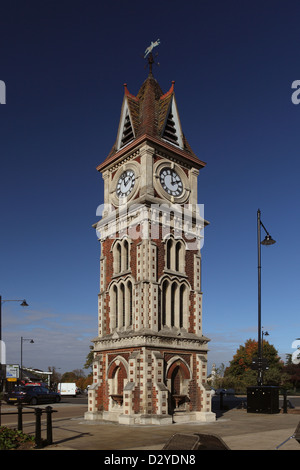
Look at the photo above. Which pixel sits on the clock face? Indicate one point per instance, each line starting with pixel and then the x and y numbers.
pixel 171 182
pixel 125 183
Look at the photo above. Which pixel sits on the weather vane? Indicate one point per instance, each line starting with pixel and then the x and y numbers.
pixel 148 53
pixel 150 48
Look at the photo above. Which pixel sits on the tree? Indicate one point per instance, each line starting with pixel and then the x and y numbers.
pixel 240 374
pixel 89 360
pixel 83 382
pixel 69 377
pixel 291 376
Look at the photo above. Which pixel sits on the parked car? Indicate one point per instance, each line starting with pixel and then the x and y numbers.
pixel 32 395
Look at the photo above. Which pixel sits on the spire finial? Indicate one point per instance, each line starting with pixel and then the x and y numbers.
pixel 148 53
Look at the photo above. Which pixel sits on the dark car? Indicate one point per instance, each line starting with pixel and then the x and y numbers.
pixel 32 395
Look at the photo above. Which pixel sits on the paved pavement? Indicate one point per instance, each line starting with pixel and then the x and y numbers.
pixel 238 429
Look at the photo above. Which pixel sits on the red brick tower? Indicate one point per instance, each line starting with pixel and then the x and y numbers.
pixel 150 356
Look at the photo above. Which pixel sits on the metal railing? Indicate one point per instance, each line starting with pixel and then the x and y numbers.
pixel 39 442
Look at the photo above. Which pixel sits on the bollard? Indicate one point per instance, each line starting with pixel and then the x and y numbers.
pixel 38 438
pixel 20 418
pixel 284 401
pixel 49 412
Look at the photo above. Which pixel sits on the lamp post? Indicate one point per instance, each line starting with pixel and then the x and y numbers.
pixel 23 304
pixel 268 240
pixel 264 361
pixel 23 339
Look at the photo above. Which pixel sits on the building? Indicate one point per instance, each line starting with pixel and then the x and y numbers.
pixel 150 355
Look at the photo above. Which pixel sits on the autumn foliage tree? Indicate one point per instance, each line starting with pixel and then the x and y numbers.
pixel 291 376
pixel 240 374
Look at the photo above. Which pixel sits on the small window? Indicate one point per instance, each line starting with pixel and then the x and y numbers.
pixel 170 132
pixel 127 131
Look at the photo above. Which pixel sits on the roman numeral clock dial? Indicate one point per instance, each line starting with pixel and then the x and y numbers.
pixel 171 182
pixel 125 183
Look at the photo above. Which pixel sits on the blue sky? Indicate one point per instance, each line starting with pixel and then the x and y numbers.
pixel 64 64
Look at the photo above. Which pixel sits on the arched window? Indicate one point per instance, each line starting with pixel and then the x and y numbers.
pixel 119 257
pixel 169 252
pixel 130 306
pixel 165 286
pixel 122 306
pixel 174 304
pixel 125 255
pixel 175 255
pixel 115 308
pixel 177 248
pixel 181 304
pixel 121 253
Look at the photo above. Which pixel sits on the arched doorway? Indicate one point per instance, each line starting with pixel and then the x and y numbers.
pixel 178 376
pixel 117 377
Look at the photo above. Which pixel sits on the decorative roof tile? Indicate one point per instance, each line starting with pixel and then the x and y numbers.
pixel 149 112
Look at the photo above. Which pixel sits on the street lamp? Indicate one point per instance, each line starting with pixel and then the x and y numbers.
pixel 267 241
pixel 263 333
pixel 23 304
pixel 23 339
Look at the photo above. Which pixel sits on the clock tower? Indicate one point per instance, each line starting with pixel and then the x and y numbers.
pixel 150 354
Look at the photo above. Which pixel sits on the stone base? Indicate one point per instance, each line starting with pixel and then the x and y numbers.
pixel 93 415
pixel 145 419
pixel 204 417
pixel 178 417
pixel 126 419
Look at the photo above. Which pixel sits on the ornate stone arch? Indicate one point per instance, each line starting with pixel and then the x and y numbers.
pixel 117 377
pixel 175 249
pixel 121 293
pixel 174 301
pixel 121 255
pixel 178 361
pixel 178 376
pixel 114 364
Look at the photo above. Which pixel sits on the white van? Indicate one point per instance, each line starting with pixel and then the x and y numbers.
pixel 67 389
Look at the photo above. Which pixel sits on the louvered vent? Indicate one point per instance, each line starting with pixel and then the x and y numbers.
pixel 170 132
pixel 127 131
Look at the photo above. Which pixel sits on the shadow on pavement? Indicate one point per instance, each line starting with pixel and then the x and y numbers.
pixel 222 404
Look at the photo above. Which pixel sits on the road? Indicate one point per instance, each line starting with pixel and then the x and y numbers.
pixel 69 407
pixel 79 400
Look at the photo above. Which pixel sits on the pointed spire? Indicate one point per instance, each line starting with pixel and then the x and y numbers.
pixel 150 114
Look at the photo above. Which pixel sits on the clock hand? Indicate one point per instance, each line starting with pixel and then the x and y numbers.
pixel 126 182
pixel 174 181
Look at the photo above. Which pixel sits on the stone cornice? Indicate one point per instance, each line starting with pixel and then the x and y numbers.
pixel 182 341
